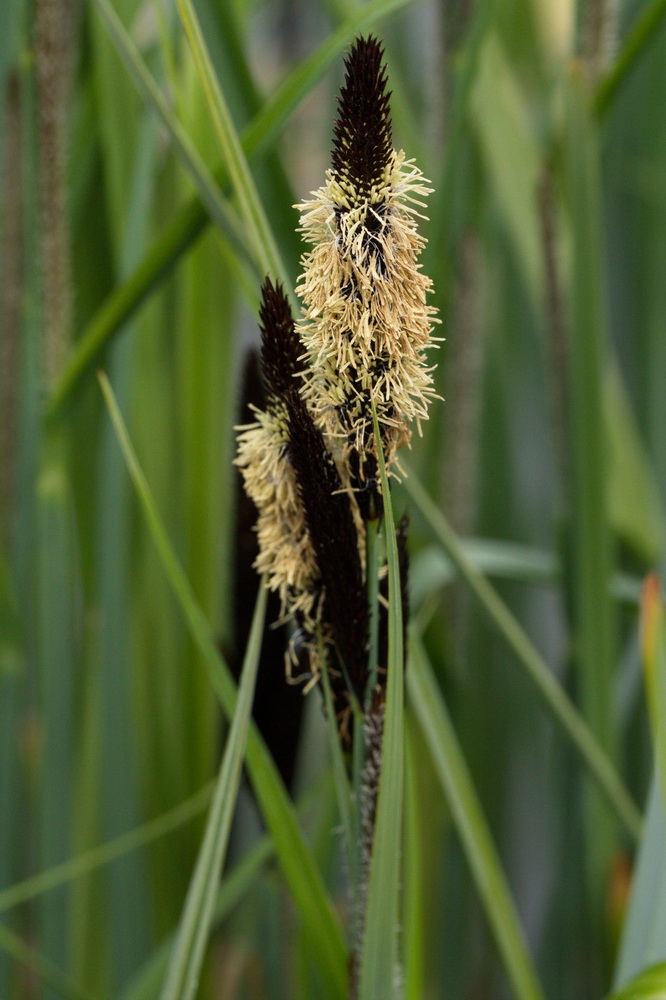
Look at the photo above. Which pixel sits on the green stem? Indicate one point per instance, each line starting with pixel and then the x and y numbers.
pixel 380 952
pixel 372 579
pixel 340 777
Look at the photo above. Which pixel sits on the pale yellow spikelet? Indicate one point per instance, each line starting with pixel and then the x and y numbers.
pixel 367 323
pixel 286 556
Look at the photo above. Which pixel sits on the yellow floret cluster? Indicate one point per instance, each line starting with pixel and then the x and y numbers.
pixel 367 323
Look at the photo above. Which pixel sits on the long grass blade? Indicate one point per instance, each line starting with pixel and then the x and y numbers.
pixel 298 867
pixel 188 954
pixel 378 960
pixel 590 547
pixel 189 222
pixel 95 858
pixel 266 251
pixel 471 825
pixel 217 208
pixel 415 868
pixel 532 662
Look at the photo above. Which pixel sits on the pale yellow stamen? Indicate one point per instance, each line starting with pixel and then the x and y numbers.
pixel 367 324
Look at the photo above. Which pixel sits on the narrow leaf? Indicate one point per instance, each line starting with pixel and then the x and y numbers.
pixel 642 33
pixel 532 662
pixel 252 211
pixel 650 985
pixel 147 983
pixel 188 223
pixel 642 941
pixel 106 853
pixel 187 957
pixel 216 207
pixel 319 924
pixel 475 837
pixel 40 966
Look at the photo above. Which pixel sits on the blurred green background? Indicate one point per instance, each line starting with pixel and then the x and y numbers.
pixel 124 248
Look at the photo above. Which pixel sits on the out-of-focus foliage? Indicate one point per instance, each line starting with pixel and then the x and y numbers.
pixel 126 247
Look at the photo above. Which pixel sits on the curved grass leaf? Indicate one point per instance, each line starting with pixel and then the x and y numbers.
pixel 216 207
pixel 188 954
pixel 378 959
pixel 266 251
pixel 106 853
pixel 453 773
pixel 188 223
pixel 319 923
pixel 532 662
pixel 431 569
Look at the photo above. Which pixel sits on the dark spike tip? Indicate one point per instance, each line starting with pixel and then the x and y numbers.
pixel 281 346
pixel 332 531
pixel 362 135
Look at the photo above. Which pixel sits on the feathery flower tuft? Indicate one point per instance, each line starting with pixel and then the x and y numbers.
pixel 367 324
pixel 286 556
pixel 307 533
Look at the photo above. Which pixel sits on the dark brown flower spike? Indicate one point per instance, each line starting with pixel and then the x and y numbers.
pixel 362 147
pixel 286 557
pixel 332 530
pixel 281 347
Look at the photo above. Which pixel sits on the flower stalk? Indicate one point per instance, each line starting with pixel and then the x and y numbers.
pixel 344 384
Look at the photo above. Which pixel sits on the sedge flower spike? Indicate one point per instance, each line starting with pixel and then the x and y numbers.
pixel 286 557
pixel 310 460
pixel 367 323
pixel 307 534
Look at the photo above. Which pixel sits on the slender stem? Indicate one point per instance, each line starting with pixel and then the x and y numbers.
pixel 372 581
pixel 341 782
pixel 380 953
